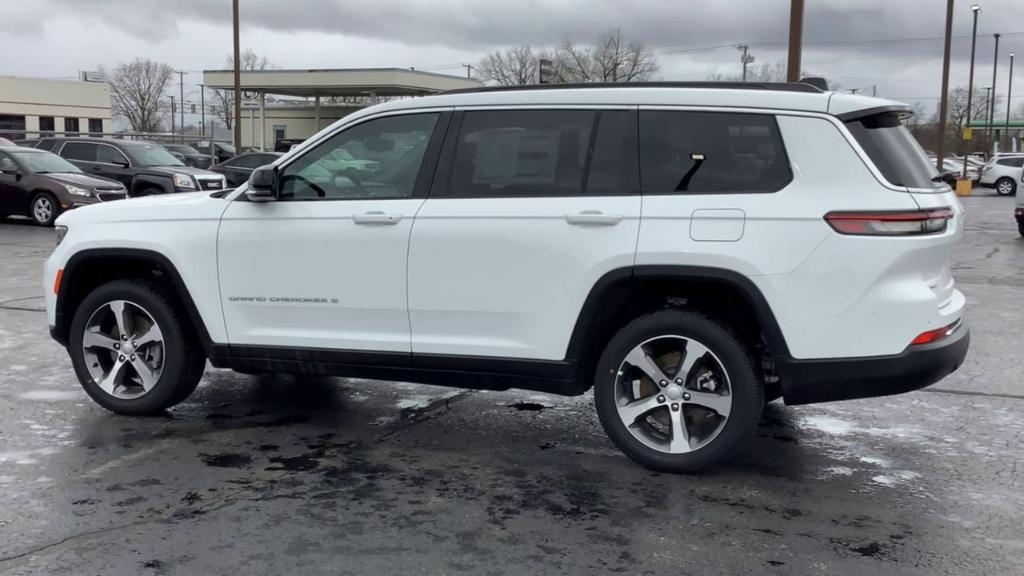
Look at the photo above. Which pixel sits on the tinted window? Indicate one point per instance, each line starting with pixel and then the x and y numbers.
pixel 711 152
pixel 47 144
pixel 84 151
pixel 110 155
pixel 375 159
pixel 893 150
pixel 1012 162
pixel 521 153
pixel 613 164
pixel 251 160
pixel 151 155
pixel 44 162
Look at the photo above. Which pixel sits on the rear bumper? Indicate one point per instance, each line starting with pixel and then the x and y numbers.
pixel 812 381
pixel 1019 215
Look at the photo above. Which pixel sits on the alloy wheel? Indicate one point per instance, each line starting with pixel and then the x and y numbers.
pixel 42 209
pixel 1005 188
pixel 123 349
pixel 673 394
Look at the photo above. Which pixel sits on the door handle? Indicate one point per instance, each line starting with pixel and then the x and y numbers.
pixel 593 218
pixel 377 217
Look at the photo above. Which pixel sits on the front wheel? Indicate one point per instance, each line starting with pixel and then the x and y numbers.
pixel 44 209
pixel 1006 186
pixel 132 349
pixel 677 391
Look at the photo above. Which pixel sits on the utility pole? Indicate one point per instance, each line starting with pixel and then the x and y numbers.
pixel 745 59
pixel 181 101
pixel 1009 100
pixel 992 101
pixel 796 40
pixel 202 109
pixel 970 88
pixel 238 80
pixel 469 70
pixel 172 118
pixel 944 101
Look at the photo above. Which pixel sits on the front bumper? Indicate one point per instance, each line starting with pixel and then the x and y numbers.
pixel 813 381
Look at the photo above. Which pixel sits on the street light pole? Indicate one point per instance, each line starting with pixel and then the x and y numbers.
pixel 238 80
pixel 202 110
pixel 796 40
pixel 944 101
pixel 1009 98
pixel 992 101
pixel 181 103
pixel 172 118
pixel 970 84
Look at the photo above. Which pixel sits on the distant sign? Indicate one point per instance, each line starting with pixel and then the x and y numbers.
pixel 967 133
pixel 545 70
pixel 250 104
pixel 92 76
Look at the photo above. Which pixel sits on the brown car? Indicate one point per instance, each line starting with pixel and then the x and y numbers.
pixel 41 185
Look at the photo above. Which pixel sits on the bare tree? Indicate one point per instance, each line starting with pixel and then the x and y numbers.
pixel 136 89
pixel 958 107
pixel 224 100
pixel 513 67
pixel 610 59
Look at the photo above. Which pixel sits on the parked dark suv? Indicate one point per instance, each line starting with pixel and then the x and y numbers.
pixel 221 150
pixel 41 185
pixel 189 155
pixel 143 167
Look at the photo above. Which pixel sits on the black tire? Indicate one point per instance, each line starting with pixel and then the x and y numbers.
pixel 1020 228
pixel 183 358
pixel 746 388
pixel 772 392
pixel 35 208
pixel 149 191
pixel 1008 183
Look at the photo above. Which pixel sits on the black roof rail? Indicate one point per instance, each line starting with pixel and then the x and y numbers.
pixel 776 86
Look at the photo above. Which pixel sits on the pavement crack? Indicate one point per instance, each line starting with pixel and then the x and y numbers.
pixel 72 538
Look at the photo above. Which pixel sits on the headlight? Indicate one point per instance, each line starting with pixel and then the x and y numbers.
pixel 76 191
pixel 184 181
pixel 61 231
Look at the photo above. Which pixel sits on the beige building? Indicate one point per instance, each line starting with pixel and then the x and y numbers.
pixel 31 106
pixel 288 122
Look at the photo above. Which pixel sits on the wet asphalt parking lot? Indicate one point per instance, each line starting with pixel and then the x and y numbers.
pixel 274 475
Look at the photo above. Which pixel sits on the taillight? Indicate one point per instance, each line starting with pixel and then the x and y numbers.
pixel 935 335
pixel 913 223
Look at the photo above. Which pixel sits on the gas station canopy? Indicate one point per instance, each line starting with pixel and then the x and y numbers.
pixel 373 82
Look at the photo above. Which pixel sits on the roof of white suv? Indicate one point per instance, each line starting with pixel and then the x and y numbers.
pixel 780 96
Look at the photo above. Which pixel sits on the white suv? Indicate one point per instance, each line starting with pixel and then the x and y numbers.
pixel 1003 172
pixel 688 250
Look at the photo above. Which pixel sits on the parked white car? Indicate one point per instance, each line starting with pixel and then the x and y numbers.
pixel 686 250
pixel 1003 172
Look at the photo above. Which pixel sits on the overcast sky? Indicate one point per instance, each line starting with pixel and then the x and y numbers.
pixel 894 44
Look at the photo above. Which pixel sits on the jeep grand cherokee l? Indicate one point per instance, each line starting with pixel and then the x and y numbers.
pixel 686 250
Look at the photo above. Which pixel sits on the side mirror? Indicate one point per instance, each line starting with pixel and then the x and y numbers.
pixel 121 163
pixel 262 184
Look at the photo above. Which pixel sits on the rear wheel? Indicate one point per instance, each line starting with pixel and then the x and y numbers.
pixel 677 391
pixel 1020 228
pixel 1006 186
pixel 44 209
pixel 132 350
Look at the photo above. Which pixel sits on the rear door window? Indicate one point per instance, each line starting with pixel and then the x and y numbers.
pixel 894 151
pixel 689 152
pixel 81 151
pixel 1012 162
pixel 555 153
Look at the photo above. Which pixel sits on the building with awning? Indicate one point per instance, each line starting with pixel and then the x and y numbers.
pixel 264 124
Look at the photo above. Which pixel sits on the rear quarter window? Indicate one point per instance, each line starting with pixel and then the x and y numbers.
pixel 894 151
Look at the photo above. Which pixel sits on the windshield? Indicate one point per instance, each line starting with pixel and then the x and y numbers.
pixel 894 151
pixel 226 147
pixel 151 155
pixel 44 162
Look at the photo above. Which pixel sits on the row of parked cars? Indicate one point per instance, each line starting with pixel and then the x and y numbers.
pixel 43 177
